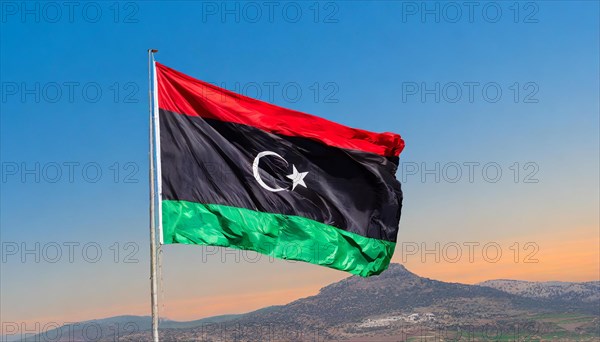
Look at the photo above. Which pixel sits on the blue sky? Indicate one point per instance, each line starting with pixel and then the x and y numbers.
pixel 364 58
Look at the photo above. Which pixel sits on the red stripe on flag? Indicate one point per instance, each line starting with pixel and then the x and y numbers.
pixel 183 94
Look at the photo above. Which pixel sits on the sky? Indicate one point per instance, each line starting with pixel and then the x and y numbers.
pixel 498 103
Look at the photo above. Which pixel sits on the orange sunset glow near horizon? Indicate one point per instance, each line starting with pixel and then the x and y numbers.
pixel 576 259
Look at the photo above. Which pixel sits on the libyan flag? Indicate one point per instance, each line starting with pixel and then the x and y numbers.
pixel 241 173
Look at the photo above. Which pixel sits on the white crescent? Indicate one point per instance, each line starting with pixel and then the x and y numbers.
pixel 257 174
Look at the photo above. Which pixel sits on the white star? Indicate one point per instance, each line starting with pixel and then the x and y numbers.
pixel 297 177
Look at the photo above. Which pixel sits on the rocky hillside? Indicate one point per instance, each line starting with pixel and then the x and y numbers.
pixel 396 290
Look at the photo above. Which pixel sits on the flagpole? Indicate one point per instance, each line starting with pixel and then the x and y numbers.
pixel 151 158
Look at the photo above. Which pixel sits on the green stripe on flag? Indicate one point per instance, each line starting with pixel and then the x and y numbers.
pixel 281 236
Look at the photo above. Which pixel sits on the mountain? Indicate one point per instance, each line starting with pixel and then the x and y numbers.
pixel 396 290
pixel 587 292
pixel 397 302
pixel 399 305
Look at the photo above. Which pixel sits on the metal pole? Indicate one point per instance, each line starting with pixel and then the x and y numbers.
pixel 151 152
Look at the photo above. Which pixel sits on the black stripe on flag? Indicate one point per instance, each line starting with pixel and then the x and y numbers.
pixel 211 161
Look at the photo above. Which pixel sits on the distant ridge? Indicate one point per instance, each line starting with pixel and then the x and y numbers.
pixel 588 292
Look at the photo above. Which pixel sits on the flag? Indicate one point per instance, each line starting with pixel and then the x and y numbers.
pixel 241 173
